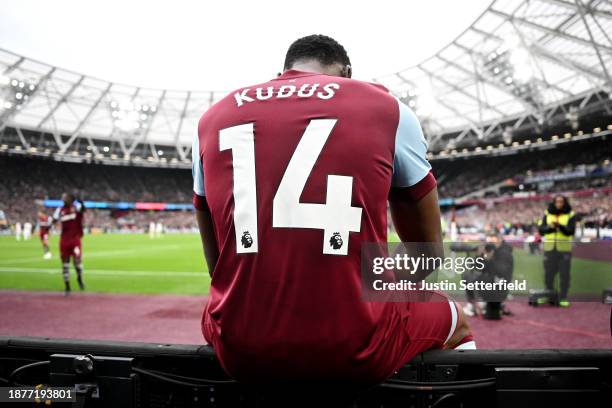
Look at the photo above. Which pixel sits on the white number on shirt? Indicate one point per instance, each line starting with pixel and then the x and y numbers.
pixel 337 218
pixel 240 140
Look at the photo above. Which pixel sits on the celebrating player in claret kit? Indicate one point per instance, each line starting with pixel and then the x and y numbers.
pixel 45 222
pixel 70 215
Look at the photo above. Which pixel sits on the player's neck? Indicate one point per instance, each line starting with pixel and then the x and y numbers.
pixel 315 66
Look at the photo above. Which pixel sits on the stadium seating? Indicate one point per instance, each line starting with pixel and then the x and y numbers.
pixel 458 177
pixel 46 178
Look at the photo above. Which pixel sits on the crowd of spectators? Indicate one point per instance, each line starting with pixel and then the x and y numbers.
pixel 461 176
pixel 594 211
pixel 27 180
pixel 571 167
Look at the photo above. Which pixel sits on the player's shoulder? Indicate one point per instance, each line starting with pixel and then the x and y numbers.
pixel 318 85
pixel 360 96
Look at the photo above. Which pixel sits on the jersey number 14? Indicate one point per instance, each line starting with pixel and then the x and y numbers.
pixel 336 217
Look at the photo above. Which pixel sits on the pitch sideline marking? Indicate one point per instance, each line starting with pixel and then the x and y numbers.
pixel 109 272
pixel 93 254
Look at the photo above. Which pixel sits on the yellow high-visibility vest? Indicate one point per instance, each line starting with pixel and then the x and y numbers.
pixel 557 239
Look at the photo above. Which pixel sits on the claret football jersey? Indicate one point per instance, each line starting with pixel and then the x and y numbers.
pixel 296 173
pixel 71 218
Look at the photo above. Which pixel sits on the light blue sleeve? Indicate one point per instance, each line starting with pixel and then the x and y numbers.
pixel 410 163
pixel 196 167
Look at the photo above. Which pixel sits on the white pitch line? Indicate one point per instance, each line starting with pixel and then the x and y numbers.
pixel 93 254
pixel 108 272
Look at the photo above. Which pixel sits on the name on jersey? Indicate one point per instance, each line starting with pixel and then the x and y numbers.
pixel 248 95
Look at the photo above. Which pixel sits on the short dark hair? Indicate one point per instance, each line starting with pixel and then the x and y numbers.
pixel 317 47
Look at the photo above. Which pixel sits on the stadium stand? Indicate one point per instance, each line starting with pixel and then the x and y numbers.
pixel 570 167
pixel 512 215
pixel 48 179
pixel 459 177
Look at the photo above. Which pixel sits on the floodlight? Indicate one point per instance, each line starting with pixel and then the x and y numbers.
pixel 130 116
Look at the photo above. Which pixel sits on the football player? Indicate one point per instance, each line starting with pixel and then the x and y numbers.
pixel 291 177
pixel 45 223
pixel 70 216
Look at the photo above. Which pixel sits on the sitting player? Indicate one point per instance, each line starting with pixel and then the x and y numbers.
pixel 45 222
pixel 70 215
pixel 291 177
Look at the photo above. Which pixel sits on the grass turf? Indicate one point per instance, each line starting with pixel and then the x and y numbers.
pixel 119 263
pixel 134 263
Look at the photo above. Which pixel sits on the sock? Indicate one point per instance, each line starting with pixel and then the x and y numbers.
pixel 66 272
pixel 466 343
pixel 79 269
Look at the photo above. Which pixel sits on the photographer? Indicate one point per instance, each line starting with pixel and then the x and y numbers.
pixel 499 265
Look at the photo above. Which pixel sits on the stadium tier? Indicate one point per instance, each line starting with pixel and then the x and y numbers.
pixel 491 185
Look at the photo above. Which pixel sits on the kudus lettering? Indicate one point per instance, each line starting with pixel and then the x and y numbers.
pixel 284 91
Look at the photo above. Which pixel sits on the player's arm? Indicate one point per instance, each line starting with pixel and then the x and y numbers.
pixel 78 201
pixel 207 233
pixel 203 215
pixel 56 216
pixel 413 198
pixel 416 220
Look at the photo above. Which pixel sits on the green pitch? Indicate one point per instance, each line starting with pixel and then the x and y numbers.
pixel 119 263
pixel 135 263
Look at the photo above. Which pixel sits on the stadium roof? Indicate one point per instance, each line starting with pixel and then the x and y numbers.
pixel 518 63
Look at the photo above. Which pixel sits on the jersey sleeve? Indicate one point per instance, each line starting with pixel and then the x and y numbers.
pixel 56 214
pixel 79 206
pixel 410 163
pixel 196 167
pixel 197 171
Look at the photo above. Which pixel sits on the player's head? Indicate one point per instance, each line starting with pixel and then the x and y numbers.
pixel 67 198
pixel 322 51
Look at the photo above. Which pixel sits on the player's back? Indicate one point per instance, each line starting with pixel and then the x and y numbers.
pixel 296 173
